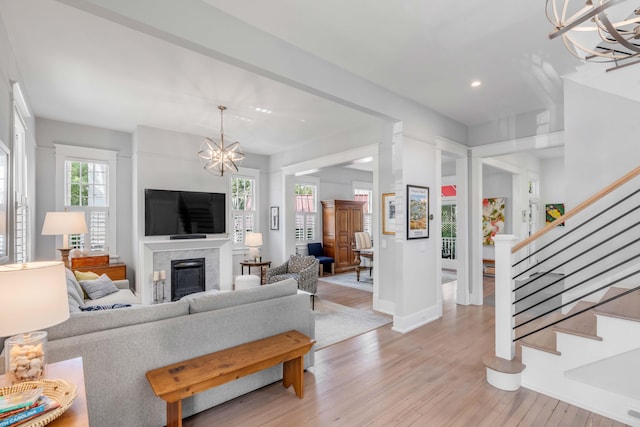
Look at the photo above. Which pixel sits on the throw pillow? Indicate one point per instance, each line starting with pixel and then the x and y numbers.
pixel 74 290
pixel 100 287
pixel 86 275
pixel 104 307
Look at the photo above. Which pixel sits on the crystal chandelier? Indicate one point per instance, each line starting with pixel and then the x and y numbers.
pixel 600 31
pixel 216 157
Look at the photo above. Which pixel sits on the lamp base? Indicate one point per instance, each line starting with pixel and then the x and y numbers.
pixel 25 357
pixel 254 253
pixel 64 253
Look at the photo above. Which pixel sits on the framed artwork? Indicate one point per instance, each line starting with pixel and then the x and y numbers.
pixel 388 213
pixel 417 212
pixel 492 218
pixel 4 203
pixel 275 218
pixel 554 211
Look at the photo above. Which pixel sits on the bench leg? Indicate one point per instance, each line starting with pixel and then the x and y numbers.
pixel 293 374
pixel 174 414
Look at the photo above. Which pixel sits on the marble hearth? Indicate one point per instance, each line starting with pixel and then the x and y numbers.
pixel 156 255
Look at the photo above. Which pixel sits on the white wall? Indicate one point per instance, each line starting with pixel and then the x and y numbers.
pixel 519 126
pixel 601 140
pixel 336 183
pixel 52 131
pixel 168 160
pixel 552 190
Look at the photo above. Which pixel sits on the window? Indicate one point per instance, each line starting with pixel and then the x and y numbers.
pixel 365 195
pixel 306 212
pixel 21 223
pixel 21 214
pixel 449 233
pixel 86 189
pixel 243 207
pixel 88 184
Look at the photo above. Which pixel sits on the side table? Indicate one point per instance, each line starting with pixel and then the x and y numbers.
pixel 261 264
pixel 72 371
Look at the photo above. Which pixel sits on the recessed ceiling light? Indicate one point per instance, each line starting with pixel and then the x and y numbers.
pixel 263 110
pixel 476 83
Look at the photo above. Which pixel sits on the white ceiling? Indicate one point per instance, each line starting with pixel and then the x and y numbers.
pixel 84 69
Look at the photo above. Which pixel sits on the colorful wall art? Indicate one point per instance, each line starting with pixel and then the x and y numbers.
pixel 554 211
pixel 492 218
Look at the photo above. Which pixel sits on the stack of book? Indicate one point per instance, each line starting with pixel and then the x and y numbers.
pixel 23 406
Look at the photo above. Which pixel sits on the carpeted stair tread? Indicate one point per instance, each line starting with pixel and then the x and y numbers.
pixel 583 325
pixel 626 307
pixel 545 339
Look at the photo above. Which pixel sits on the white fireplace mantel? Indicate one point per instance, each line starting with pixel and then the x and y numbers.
pixel 144 273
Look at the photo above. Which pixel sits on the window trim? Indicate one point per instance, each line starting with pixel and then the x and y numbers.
pixel 249 173
pixel 65 152
pixel 309 180
pixel 368 186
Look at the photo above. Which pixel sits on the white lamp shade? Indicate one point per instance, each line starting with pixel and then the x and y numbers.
pixel 64 223
pixel 33 296
pixel 253 239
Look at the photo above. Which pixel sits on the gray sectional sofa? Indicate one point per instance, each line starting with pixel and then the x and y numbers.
pixel 119 346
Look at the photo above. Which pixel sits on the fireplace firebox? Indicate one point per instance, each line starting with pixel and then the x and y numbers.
pixel 187 277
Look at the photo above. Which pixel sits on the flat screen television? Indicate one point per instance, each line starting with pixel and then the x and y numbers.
pixel 176 213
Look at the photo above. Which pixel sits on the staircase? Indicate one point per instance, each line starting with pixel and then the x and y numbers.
pixel 568 308
pixel 591 359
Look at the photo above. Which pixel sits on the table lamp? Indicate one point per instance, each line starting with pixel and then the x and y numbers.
pixel 64 223
pixel 253 241
pixel 32 296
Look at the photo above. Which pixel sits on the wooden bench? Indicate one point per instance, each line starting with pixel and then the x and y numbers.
pixel 184 379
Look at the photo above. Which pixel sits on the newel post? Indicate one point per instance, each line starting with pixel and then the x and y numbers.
pixel 505 347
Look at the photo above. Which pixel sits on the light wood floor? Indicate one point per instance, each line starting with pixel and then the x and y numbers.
pixel 432 376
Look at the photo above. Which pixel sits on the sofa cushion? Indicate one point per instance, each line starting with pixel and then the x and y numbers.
pixel 243 296
pixel 98 288
pixel 87 322
pixel 123 296
pixel 74 291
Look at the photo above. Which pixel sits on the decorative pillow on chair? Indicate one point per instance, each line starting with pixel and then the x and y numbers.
pixel 98 288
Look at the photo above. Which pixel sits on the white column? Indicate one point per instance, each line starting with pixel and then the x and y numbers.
pixel 505 347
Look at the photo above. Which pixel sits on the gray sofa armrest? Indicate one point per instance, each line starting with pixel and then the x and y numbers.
pixel 121 284
pixel 309 278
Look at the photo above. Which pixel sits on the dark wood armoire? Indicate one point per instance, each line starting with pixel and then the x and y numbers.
pixel 340 220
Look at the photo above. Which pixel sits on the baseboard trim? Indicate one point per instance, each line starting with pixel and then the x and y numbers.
pixel 404 324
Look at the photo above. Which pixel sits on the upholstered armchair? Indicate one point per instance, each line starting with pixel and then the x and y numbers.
pixel 315 249
pixel 303 269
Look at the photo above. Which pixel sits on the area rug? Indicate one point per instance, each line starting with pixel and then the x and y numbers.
pixel 336 322
pixel 366 282
pixel 349 280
